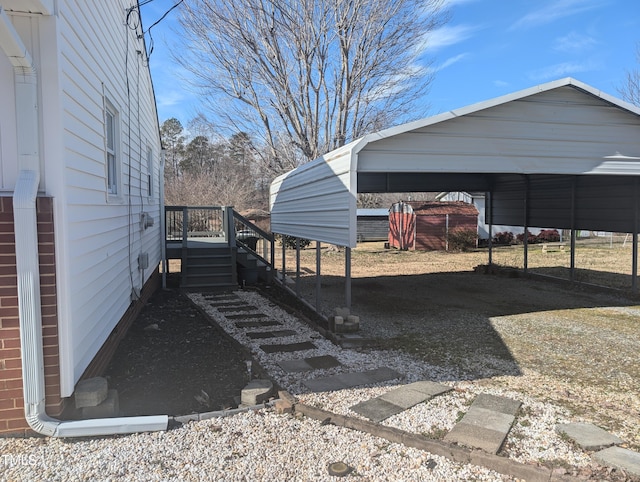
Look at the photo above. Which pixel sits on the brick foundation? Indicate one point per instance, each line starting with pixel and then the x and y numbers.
pixel 12 419
pixel 11 395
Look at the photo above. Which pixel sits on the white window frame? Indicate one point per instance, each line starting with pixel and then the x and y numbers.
pixel 112 149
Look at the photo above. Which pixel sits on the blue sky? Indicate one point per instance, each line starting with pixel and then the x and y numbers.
pixel 487 49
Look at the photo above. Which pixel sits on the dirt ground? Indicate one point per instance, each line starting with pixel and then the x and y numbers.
pixel 568 345
pixel 174 361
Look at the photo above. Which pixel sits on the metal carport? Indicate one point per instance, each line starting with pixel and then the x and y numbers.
pixel 559 154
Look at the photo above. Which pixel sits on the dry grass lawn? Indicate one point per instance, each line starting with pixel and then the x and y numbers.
pixel 553 341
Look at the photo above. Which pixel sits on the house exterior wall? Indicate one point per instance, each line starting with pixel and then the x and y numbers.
pixel 11 396
pixel 87 60
pixel 99 67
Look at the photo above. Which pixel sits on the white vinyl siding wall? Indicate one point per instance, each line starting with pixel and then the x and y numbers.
pixel 102 238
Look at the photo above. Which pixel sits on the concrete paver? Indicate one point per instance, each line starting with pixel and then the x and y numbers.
pixel 256 324
pixel 398 400
pixel 619 458
pixel 350 380
pixel 588 436
pixel 377 409
pixel 486 425
pixel 258 335
pixel 288 347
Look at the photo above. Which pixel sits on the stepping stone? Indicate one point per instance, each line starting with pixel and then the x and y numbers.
pixel 322 362
pixel 288 348
pixel 258 335
pixel 256 324
pixel 244 316
pixel 377 409
pixel 308 364
pixel 230 309
pixel 350 380
pixel 399 400
pixel 588 436
pixel 619 458
pixel 486 425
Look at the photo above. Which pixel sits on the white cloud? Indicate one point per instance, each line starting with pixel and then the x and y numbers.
pixel 574 42
pixel 447 63
pixel 500 83
pixel 563 69
pixel 555 10
pixel 446 36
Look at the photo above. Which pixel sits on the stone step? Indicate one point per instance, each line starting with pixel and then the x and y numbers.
pixel 486 425
pixel 399 400
pixel 309 364
pixel 588 436
pixel 351 379
pixel 288 347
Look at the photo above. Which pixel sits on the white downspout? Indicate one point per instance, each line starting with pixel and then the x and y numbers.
pixel 27 265
pixel 163 237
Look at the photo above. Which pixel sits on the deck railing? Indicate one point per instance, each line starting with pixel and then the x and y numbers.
pixel 183 223
pixel 253 239
pixel 191 222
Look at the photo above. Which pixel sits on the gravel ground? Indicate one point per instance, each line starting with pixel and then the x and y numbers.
pixel 261 445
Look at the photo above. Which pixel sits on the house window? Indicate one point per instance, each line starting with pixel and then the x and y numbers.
pixel 111 123
pixel 149 172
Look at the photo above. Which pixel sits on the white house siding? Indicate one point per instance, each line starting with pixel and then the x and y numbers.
pixel 99 238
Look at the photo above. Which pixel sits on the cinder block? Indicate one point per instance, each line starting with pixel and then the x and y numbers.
pixel 110 407
pixel 343 312
pixel 91 392
pixel 353 319
pixel 256 392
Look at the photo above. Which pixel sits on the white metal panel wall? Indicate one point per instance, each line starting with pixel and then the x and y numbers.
pixel 101 237
pixel 316 201
pixel 561 131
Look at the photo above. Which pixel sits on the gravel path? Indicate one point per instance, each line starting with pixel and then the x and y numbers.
pixel 261 445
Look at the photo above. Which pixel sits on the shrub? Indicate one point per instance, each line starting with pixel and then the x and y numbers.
pixel 531 239
pixel 504 237
pixel 289 242
pixel 548 236
pixel 462 240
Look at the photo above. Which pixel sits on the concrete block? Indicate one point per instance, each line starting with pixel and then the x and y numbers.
pixel 619 458
pixel 588 436
pixel 256 392
pixel 343 312
pixel 110 407
pixel 91 392
pixel 338 320
pixel 353 319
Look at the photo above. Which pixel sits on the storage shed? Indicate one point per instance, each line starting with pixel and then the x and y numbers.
pixel 373 224
pixel 436 221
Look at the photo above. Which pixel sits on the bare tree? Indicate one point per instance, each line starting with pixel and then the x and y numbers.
pixel 311 74
pixel 630 90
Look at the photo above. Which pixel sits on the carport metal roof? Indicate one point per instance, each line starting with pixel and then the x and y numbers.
pixel 561 154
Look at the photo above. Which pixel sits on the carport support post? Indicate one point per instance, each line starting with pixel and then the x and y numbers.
pixel 318 262
pixel 572 268
pixel 489 209
pixel 347 277
pixel 526 225
pixel 298 267
pixel 634 249
pixel 284 259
